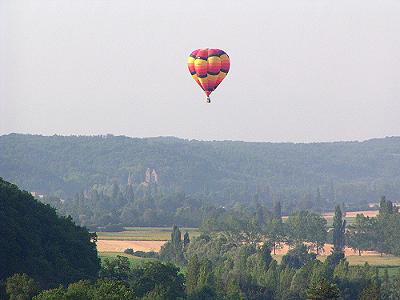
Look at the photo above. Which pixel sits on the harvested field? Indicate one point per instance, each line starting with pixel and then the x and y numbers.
pixel 386 261
pixel 353 214
pixel 350 216
pixel 144 234
pixel 120 246
pixel 327 250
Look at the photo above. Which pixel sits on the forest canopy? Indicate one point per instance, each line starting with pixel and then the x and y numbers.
pixel 224 171
pixel 36 241
pixel 116 180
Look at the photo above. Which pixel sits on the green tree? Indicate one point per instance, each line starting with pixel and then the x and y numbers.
pixel 53 294
pixel 192 276
pixel 265 252
pixel 117 268
pixel 276 233
pixel 386 207
pixel 285 280
pixel 339 228
pixel 334 259
pixel 81 290
pixel 300 281
pixel 385 286
pixel 277 211
pixel 176 237
pixel 34 240
pixel 206 276
pixel 372 292
pixel 388 228
pixel 21 287
pixel 309 227
pixel 233 291
pixel 166 277
pixel 320 271
pixel 272 278
pixel 206 282
pixel 361 234
pixel 186 240
pixel 111 290
pixel 323 290
pixel 172 251
pixel 103 289
pixel 297 257
pixel 395 287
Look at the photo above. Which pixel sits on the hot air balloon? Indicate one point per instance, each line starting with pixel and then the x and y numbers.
pixel 208 68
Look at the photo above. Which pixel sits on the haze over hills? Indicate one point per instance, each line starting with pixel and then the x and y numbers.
pixel 223 170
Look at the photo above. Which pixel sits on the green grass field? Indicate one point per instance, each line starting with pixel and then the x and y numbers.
pixel 374 260
pixel 134 260
pixel 144 234
pixel 349 221
pixel 392 263
pixel 164 233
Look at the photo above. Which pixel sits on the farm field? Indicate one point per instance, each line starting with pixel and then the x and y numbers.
pixel 164 233
pixel 111 244
pixel 391 263
pixel 381 261
pixel 152 238
pixel 327 250
pixel 353 214
pixel 121 245
pixel 134 260
pixel 386 260
pixel 144 234
pixel 350 216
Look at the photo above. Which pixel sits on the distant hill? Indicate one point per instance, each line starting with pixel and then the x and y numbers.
pixel 223 170
pixel 35 241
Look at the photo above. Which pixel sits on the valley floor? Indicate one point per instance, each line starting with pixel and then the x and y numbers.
pixel 152 238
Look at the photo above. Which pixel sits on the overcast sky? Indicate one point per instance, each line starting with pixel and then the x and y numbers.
pixel 301 70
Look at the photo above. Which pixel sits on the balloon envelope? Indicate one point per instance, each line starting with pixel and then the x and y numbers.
pixel 208 68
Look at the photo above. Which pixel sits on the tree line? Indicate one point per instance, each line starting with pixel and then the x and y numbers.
pixel 301 176
pixel 381 233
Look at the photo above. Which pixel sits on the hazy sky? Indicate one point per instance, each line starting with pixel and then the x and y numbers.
pixel 301 70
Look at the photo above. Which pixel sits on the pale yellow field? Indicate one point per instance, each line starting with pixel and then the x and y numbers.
pixel 120 246
pixel 349 215
pixel 353 214
pixel 151 239
pixel 145 234
pixel 327 250
pixel 373 260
